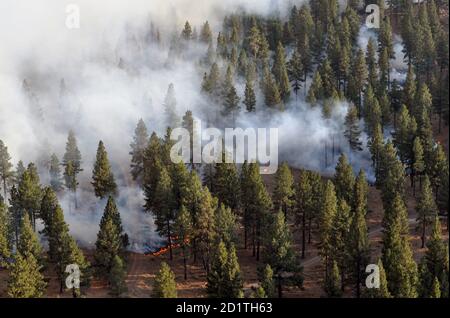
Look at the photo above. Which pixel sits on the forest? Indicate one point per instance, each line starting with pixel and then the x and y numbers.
pixel 92 203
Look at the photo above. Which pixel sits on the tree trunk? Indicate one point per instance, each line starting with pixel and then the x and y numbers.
pixel 184 263
pixel 423 233
pixel 303 233
pixel 169 238
pixel 280 289
pixel 358 279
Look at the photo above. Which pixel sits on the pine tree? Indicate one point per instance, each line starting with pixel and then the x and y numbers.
pixel 344 179
pixel 376 144
pixel 110 239
pixel 72 153
pixel 272 96
pixel 267 281
pixel 204 228
pixel 117 277
pixel 30 193
pixel 435 261
pixel 295 72
pixel 409 89
pixel 401 270
pixel 258 206
pixel 225 226
pixel 304 192
pixel 329 209
pixel 231 103
pixel 358 79
pixel 26 280
pixel 186 34
pixel 426 209
pixel 170 107
pixel 55 174
pixel 371 63
pixel 6 173
pixel 138 146
pixel 28 243
pixel 5 235
pixel 358 237
pixel 315 90
pixel 418 166
pixel 250 97
pixel 340 238
pixel 164 285
pixel 280 72
pixel 333 281
pixel 352 131
pixel 206 33
pixel 437 167
pixel 102 176
pixel 279 253
pixel 284 189
pixel 224 278
pixel 183 228
pixel 391 175
pixel 72 165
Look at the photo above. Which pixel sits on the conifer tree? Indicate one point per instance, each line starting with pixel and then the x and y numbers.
pixel 267 281
pixel 164 285
pixel 340 238
pixel 333 281
pixel 426 209
pixel 186 34
pixel 371 63
pixel 225 226
pixel 437 167
pixel 184 229
pixel 358 238
pixel 258 207
pixel 55 174
pixel 26 280
pixel 315 90
pixel 272 96
pixel 250 97
pixel 117 277
pixel 170 107
pixel 352 131
pixel 284 189
pixel 358 79
pixel 280 72
pixel 102 176
pixel 5 235
pixel 224 278
pixel 391 175
pixel 376 144
pixel 28 243
pixel 435 261
pixel 110 239
pixel 204 228
pixel 206 33
pixel 329 209
pixel 401 270
pixel 138 146
pixel 6 173
pixel 72 153
pixel 344 179
pixel 295 72
pixel 279 253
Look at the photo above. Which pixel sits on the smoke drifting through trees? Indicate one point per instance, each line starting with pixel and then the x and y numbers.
pixel 99 80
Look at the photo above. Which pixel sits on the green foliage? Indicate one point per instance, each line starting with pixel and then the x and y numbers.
pixel 164 285
pixel 224 278
pixel 117 277
pixel 102 176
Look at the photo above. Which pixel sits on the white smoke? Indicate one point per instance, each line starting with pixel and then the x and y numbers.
pixel 100 79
